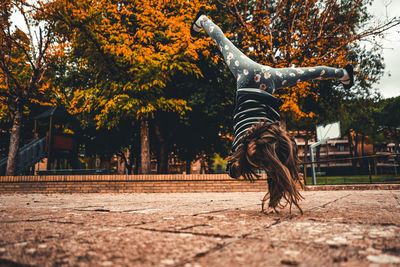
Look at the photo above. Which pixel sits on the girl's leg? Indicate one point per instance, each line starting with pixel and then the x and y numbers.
pixel 291 76
pixel 248 73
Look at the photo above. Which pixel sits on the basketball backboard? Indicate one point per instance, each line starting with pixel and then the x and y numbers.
pixel 329 131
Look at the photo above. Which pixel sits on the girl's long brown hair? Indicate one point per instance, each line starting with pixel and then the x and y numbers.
pixel 266 146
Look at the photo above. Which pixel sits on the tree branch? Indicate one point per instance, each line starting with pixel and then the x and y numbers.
pixel 28 26
pixel 19 46
pixel 9 74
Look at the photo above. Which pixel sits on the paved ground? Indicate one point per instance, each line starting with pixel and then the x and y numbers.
pixel 338 228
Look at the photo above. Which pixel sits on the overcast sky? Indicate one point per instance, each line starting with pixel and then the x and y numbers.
pixel 389 85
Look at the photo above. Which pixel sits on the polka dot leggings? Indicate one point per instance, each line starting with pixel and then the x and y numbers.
pixel 250 74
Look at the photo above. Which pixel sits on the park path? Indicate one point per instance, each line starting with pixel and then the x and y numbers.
pixel 338 228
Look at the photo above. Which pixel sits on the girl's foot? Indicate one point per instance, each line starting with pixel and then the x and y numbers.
pixel 348 77
pixel 196 25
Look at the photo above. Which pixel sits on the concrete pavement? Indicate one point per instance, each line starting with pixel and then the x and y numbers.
pixel 338 228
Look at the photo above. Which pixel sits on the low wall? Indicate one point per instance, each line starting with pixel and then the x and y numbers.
pixel 177 183
pixel 169 183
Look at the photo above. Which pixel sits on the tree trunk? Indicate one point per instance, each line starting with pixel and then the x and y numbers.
pixel 188 165
pixel 14 142
pixel 362 145
pixel 137 160
pixel 132 161
pixel 145 166
pixel 163 159
pixel 396 141
pixel 163 154
pixel 357 162
pixel 356 145
pixel 364 161
pixel 350 139
pixel 128 161
pixel 351 147
pixel 203 166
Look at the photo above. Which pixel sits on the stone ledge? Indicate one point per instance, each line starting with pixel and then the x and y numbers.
pixel 119 178
pixel 133 186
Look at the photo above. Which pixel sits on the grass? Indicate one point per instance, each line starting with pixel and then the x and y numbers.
pixel 357 179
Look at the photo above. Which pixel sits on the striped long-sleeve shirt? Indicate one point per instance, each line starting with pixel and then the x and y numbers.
pixel 253 106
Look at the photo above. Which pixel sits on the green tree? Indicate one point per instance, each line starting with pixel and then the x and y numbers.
pixel 388 120
pixel 206 128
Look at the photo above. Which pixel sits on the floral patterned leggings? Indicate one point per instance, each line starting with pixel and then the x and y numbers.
pixel 250 74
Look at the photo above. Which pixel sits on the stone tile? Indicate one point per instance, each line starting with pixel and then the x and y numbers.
pixel 338 228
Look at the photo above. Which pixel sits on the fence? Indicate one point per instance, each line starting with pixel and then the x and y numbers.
pixel 380 168
pixel 376 169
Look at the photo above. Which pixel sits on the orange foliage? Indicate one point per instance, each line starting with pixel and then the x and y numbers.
pixel 305 32
pixel 146 41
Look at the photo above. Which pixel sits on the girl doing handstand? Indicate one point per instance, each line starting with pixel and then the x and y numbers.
pixel 259 141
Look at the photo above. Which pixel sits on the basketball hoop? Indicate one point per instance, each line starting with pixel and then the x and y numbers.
pixel 324 133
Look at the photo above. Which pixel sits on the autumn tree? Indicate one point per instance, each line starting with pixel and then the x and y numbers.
pixel 304 33
pixel 132 50
pixel 24 57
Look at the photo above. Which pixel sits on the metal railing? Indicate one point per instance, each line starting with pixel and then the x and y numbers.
pixel 3 166
pixel 367 169
pixel 28 155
